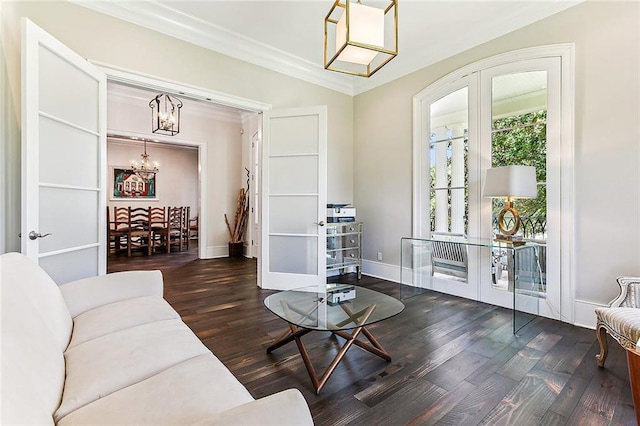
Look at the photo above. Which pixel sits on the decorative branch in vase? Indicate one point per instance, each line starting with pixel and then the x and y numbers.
pixel 236 234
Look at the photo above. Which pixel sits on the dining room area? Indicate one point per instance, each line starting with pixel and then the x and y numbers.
pixel 153 205
pixel 150 230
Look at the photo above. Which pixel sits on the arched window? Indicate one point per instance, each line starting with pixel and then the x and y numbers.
pixel 515 108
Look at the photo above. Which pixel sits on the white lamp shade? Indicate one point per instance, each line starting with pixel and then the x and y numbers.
pixel 366 26
pixel 510 181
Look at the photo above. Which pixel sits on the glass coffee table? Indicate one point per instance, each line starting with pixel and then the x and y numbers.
pixel 342 309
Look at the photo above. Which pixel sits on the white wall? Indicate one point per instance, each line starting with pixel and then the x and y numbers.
pixel 107 40
pixel 606 158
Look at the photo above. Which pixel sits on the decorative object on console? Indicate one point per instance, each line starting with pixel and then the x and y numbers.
pixel 145 170
pixel 365 37
pixel 510 182
pixel 165 114
pixel 340 213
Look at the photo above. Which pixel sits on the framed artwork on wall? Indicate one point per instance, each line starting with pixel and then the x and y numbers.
pixel 127 185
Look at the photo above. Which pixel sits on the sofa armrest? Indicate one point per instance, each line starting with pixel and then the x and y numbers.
pixel 89 293
pixel 283 408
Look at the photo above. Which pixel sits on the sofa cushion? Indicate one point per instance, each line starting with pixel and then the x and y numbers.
pixel 106 364
pixel 188 392
pixel 118 316
pixel 26 284
pixel 36 328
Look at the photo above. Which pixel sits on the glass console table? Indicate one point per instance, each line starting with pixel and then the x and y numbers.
pixel 512 272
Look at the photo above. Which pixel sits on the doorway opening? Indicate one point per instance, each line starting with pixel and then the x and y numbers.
pixel 201 168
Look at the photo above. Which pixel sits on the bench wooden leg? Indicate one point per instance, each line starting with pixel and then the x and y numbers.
pixel 601 334
pixel 633 361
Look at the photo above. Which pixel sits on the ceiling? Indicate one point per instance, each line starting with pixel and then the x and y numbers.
pixel 287 36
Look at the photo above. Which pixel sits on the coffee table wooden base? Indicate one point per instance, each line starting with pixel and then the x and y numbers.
pixel 295 333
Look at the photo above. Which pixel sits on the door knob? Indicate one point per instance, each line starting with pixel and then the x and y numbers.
pixel 321 223
pixel 33 235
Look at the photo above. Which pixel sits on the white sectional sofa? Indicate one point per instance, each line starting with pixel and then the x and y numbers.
pixel 111 350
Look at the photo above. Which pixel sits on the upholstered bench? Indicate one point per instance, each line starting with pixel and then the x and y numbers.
pixel 621 320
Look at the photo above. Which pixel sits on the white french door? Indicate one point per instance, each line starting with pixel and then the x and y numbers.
pixel 63 158
pixel 541 77
pixel 513 100
pixel 450 145
pixel 294 198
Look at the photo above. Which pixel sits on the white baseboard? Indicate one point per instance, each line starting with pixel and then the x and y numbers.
pixel 585 315
pixel 213 252
pixel 381 270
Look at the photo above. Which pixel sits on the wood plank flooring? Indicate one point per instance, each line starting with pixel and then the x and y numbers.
pixel 455 361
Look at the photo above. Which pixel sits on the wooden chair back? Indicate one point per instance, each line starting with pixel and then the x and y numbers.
pixel 176 226
pixel 120 218
pixel 139 229
pixel 158 217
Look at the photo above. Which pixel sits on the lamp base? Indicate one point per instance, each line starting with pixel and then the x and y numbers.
pixel 510 239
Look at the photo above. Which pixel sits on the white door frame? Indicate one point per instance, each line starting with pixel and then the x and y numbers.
pixel 148 82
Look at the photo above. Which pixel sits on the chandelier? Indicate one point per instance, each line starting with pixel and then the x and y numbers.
pixel 359 39
pixel 145 170
pixel 165 114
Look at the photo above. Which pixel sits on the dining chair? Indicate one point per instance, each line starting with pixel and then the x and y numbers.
pixel 186 213
pixel 139 232
pixel 117 228
pixel 176 227
pixel 159 228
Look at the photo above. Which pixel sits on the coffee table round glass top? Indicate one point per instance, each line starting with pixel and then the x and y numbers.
pixel 331 307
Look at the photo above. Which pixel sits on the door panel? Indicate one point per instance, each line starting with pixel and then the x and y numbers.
pixel 293 255
pixel 515 90
pixel 63 158
pixel 57 142
pixel 294 197
pixel 451 140
pixel 62 210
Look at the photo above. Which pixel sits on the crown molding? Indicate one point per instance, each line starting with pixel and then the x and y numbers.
pixel 166 20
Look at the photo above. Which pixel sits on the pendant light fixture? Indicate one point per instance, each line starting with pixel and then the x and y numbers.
pixel 165 114
pixel 145 170
pixel 360 39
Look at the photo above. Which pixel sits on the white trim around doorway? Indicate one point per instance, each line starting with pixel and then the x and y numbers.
pixel 137 79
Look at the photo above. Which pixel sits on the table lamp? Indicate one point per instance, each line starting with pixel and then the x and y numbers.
pixel 510 182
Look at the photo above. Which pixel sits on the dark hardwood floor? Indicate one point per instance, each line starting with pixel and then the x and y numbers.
pixel 455 361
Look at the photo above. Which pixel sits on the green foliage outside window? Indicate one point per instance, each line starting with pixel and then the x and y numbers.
pixel 522 140
pixel 516 140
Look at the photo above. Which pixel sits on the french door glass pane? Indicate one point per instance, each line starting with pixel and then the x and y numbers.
pixel 519 126
pixel 448 158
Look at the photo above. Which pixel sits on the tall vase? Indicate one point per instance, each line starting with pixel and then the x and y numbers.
pixel 235 249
